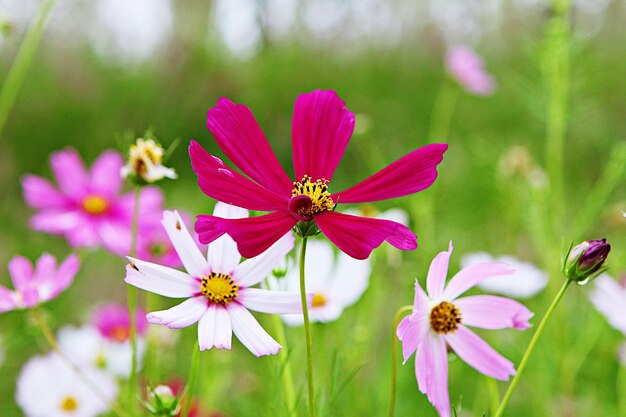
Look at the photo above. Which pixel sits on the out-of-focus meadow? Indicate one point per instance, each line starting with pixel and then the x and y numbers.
pixel 105 68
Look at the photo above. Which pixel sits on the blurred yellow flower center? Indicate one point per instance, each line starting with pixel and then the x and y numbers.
pixel 219 288
pixel 445 318
pixel 318 300
pixel 94 204
pixel 317 191
pixel 69 403
pixel 120 333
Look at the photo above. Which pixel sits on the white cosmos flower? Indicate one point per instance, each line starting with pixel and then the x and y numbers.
pixel 86 347
pixel 47 387
pixel 336 282
pixel 525 282
pixel 609 298
pixel 218 289
pixel 145 162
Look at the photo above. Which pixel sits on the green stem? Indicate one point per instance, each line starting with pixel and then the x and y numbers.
pixel 441 116
pixel 191 381
pixel 531 347
pixel 132 307
pixel 307 330
pixel 394 359
pixel 286 375
pixel 494 394
pixel 23 61
pixel 43 325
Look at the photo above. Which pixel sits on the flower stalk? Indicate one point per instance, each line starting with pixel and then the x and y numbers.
pixel 191 381
pixel 132 307
pixel 394 358
pixel 307 330
pixel 286 375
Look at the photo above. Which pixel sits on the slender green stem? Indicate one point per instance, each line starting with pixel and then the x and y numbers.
pixel 394 359
pixel 494 394
pixel 531 347
pixel 23 61
pixel 42 323
pixel 286 375
pixel 443 108
pixel 191 381
pixel 132 308
pixel 307 330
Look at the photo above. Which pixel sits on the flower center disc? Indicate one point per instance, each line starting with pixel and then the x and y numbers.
pixel 94 204
pixel 219 288
pixel 316 191
pixel 69 403
pixel 445 317
pixel 318 300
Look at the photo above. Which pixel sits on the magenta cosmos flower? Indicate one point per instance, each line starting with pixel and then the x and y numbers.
pixel 469 70
pixel 321 130
pixel 440 319
pixel 38 285
pixel 113 322
pixel 217 288
pixel 87 208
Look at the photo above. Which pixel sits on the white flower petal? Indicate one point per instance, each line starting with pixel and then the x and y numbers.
pixel 273 302
pixel 254 270
pixel 182 315
pixel 250 333
pixel 609 298
pixel 223 255
pixel 160 279
pixel 185 246
pixel 214 329
pixel 350 279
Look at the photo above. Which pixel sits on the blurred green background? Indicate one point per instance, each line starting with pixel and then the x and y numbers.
pixel 83 92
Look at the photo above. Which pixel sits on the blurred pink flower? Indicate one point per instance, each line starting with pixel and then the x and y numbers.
pixel 87 208
pixel 439 320
pixel 465 66
pixel 33 287
pixel 321 129
pixel 113 322
pixel 217 288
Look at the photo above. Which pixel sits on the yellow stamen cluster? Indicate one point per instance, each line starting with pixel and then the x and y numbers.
pixel 318 300
pixel 445 317
pixel 317 191
pixel 69 404
pixel 94 204
pixel 219 288
pixel 144 154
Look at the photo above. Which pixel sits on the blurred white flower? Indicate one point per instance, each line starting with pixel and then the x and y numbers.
pixel 86 347
pixel 144 162
pixel 527 280
pixel 162 336
pixel 47 387
pixel 337 282
pixel 609 298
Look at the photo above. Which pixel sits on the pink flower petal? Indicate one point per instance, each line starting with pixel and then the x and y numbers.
pixel 358 236
pixel 421 302
pixel 160 279
pixel 222 253
pixel 39 193
pixel 273 302
pixel 239 136
pixel 58 222
pixel 7 300
pixel 65 275
pixel 21 271
pixel 182 315
pixel 105 178
pixel 437 273
pixel 493 312
pixel 472 275
pixel 250 333
pixel 70 173
pixel 321 130
pixel 478 354
pixel 411 332
pixel 431 370
pixel 253 235
pixel 222 183
pixel 214 329
pixel 411 173
pixel 254 270
pixel 188 252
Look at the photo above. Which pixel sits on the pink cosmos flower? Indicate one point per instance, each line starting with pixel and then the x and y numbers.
pixel 87 208
pixel 321 130
pixel 468 69
pixel 113 322
pixel 439 320
pixel 217 288
pixel 35 286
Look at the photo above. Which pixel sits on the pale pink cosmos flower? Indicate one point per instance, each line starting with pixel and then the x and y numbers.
pixel 321 129
pixel 37 285
pixel 218 288
pixel 465 66
pixel 439 320
pixel 609 298
pixel 87 208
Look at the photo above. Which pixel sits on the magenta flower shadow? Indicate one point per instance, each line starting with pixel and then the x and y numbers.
pixel 321 129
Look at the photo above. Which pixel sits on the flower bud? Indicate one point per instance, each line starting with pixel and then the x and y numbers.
pixel 585 260
pixel 162 401
pixel 145 163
